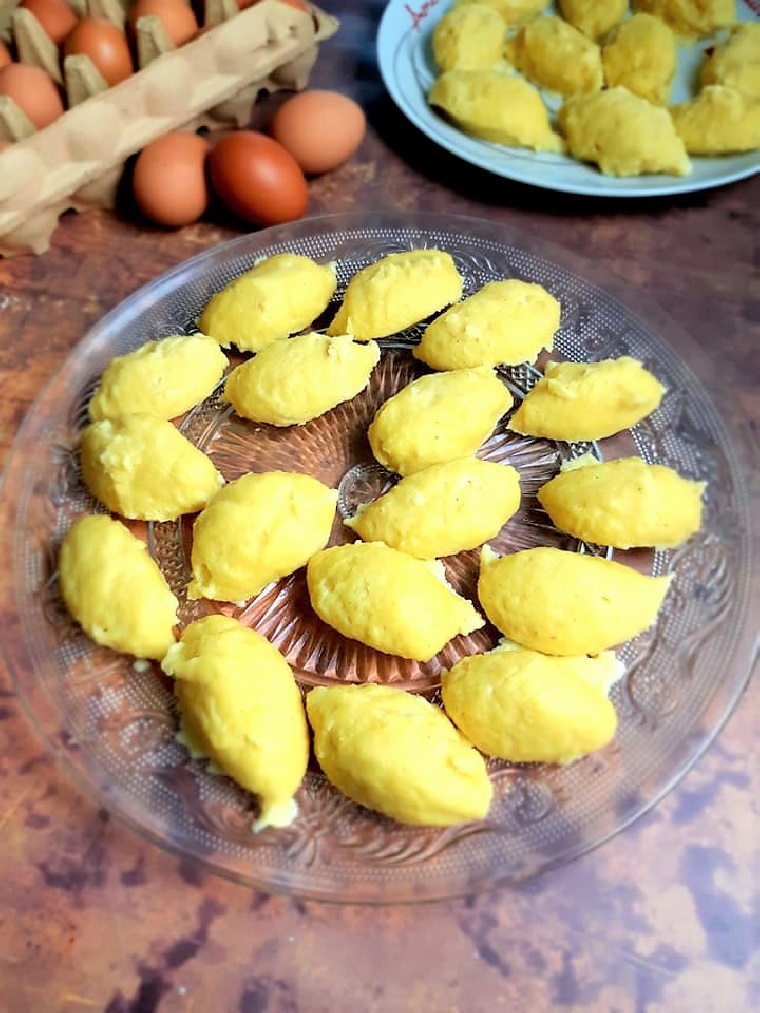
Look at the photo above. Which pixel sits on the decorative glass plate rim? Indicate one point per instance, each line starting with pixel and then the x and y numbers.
pixel 28 693
pixel 397 57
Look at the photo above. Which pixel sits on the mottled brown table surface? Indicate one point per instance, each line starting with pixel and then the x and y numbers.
pixel 663 917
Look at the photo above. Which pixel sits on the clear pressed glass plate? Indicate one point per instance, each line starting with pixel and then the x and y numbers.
pixel 113 724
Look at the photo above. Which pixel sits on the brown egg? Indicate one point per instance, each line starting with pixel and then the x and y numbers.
pixel 55 16
pixel 258 179
pixel 105 44
pixel 169 181
pixel 5 55
pixel 177 18
pixel 320 129
pixel 34 92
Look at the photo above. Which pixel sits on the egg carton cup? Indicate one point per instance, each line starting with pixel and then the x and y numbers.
pixel 77 162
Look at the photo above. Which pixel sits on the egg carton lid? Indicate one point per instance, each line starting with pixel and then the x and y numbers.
pixel 214 77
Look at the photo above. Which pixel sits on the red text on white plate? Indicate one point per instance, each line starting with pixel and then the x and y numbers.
pixel 419 16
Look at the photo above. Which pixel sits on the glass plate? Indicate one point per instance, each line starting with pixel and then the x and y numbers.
pixel 408 70
pixel 112 723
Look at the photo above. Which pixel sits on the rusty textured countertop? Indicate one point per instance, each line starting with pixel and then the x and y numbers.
pixel 663 917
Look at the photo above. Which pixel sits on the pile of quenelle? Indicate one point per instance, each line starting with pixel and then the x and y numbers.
pixel 541 695
pixel 611 67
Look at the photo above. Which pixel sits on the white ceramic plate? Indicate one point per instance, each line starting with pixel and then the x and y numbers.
pixel 407 67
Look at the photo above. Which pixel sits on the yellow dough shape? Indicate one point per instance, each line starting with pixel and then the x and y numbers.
pixel 444 509
pixel 576 401
pixel 162 378
pixel 736 62
pixel 438 418
pixel 397 754
pixel 691 19
pixel 240 707
pixel 297 379
pixel 279 296
pixel 504 323
pixel 388 600
pixel 470 36
pixel 600 671
pixel 511 12
pixel 626 503
pixel 556 56
pixel 718 121
pixel 623 134
pixel 494 105
pixel 593 17
pixel 565 603
pixel 144 468
pixel 257 529
pixel 114 590
pixel 526 707
pixel 642 57
pixel 395 292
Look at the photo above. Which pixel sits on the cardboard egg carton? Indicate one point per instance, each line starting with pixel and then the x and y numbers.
pixel 78 160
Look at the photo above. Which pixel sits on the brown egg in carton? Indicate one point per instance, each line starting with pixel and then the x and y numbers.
pixel 212 81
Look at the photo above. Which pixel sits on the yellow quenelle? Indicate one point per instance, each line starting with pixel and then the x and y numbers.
pixel 257 529
pixel 442 510
pixel 278 297
pixel 241 707
pixel 642 57
pixel 719 121
pixel 623 134
pixel 593 17
pixel 144 468
pixel 437 418
pixel 379 596
pixel 504 323
pixel 293 381
pixel 115 590
pixel 577 401
pixel 470 36
pixel 395 292
pixel 527 707
pixel 556 56
pixel 736 62
pixel 565 603
pixel 397 754
pixel 691 19
pixel 494 105
pixel 625 503
pixel 162 378
pixel 511 12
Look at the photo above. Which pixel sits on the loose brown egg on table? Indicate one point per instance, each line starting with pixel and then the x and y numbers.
pixel 258 179
pixel 320 129
pixel 55 16
pixel 105 44
pixel 5 55
pixel 34 92
pixel 169 181
pixel 176 16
